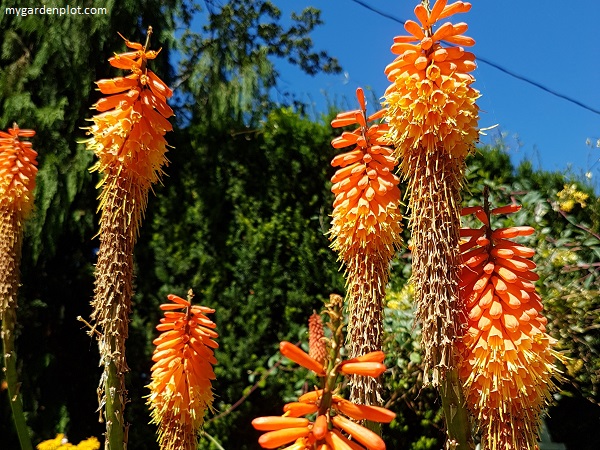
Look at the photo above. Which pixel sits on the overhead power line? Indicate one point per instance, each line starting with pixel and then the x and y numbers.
pixel 493 64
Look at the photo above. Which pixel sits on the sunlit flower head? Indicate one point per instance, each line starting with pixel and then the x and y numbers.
pixel 129 131
pixel 181 389
pixel 508 359
pixel 430 103
pixel 365 216
pixel 18 169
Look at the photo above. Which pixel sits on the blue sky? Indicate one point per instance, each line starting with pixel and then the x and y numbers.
pixel 553 43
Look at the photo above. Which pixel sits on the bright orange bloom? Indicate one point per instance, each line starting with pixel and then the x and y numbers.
pixel 332 426
pixel 181 376
pixel 18 169
pixel 508 359
pixel 365 216
pixel 430 103
pixel 17 182
pixel 129 131
pixel 365 230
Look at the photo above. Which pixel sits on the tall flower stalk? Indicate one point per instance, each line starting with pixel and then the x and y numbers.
pixel 433 118
pixel 181 389
pixel 128 139
pixel 508 360
pixel 365 231
pixel 18 169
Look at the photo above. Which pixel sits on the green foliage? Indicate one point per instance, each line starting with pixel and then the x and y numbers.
pixel 251 244
pixel 48 65
pixel 228 70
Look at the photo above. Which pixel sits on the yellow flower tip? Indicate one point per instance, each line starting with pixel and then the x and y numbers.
pixel 130 129
pixel 180 389
pixel 430 103
pixel 365 216
pixel 508 359
pixel 18 169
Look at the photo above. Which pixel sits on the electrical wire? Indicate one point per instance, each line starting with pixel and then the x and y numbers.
pixel 493 64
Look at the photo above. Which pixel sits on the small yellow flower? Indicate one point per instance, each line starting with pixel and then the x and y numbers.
pixel 570 196
pixel 60 442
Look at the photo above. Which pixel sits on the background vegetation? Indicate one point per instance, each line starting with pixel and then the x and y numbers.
pixel 241 218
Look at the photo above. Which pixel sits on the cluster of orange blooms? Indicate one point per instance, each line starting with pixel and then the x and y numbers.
pixel 130 130
pixel 333 428
pixel 181 389
pixel 430 103
pixel 365 214
pixel 508 360
pixel 18 169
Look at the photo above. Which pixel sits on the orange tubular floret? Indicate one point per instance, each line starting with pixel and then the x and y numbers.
pixel 297 409
pixel 366 369
pixel 413 28
pixel 363 435
pixel 311 397
pixel 299 356
pixel 454 8
pixel 320 427
pixel 274 439
pixel 376 356
pixel 437 9
pixel 365 412
pixel 337 441
pixel 271 423
pixel 181 301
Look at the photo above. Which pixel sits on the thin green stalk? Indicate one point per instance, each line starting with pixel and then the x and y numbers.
pixel 115 432
pixel 458 427
pixel 10 369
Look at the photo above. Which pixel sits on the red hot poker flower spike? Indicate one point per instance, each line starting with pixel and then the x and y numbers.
pixel 508 359
pixel 181 376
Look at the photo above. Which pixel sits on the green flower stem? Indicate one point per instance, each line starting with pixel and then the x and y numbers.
pixel 10 369
pixel 458 426
pixel 115 433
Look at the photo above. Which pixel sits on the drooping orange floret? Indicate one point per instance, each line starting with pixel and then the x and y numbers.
pixel 332 427
pixel 18 169
pixel 181 376
pixel 365 230
pixel 508 359
pixel 430 103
